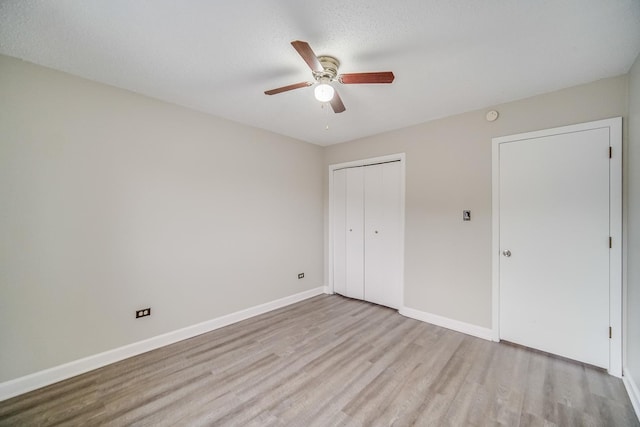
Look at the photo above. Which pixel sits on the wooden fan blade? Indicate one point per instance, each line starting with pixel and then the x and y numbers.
pixel 286 88
pixel 307 54
pixel 336 103
pixel 355 78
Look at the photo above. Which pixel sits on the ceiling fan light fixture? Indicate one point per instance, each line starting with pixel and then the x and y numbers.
pixel 324 92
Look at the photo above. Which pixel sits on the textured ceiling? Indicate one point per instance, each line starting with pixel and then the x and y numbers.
pixel 448 56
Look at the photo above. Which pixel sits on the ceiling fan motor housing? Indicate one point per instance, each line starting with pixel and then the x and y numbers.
pixel 330 72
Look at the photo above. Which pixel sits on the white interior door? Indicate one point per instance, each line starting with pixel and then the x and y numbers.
pixel 382 211
pixel 366 220
pixel 339 218
pixel 354 241
pixel 554 239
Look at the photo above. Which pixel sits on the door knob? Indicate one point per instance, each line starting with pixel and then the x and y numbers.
pixel 506 253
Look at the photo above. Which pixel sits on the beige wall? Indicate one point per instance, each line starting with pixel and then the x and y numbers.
pixel 448 261
pixel 110 202
pixel 632 193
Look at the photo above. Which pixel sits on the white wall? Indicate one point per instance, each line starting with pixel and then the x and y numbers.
pixel 448 163
pixel 111 201
pixel 632 193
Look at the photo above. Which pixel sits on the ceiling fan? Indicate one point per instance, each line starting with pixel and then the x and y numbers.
pixel 325 71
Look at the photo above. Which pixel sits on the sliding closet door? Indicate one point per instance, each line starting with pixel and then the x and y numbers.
pixel 382 231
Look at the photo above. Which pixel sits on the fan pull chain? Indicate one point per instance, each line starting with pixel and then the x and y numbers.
pixel 325 106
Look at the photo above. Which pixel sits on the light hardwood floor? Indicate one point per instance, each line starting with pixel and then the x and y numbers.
pixel 331 361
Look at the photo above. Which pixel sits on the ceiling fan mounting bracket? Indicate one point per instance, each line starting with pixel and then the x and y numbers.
pixel 330 72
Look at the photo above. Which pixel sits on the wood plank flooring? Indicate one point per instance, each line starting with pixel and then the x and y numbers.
pixel 331 361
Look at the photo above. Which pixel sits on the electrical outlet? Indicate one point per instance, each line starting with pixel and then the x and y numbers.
pixel 144 312
pixel 301 276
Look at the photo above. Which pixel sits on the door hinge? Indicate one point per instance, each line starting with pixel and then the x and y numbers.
pixel 610 332
pixel 610 242
pixel 610 152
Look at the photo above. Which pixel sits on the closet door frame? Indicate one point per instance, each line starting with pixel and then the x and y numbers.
pixel 367 162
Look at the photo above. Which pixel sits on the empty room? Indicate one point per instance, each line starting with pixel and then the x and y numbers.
pixel 294 213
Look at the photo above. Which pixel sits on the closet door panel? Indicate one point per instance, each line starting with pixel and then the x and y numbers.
pixel 354 247
pixel 339 212
pixel 382 209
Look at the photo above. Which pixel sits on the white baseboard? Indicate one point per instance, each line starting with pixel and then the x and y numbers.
pixel 445 322
pixel 49 376
pixel 632 390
